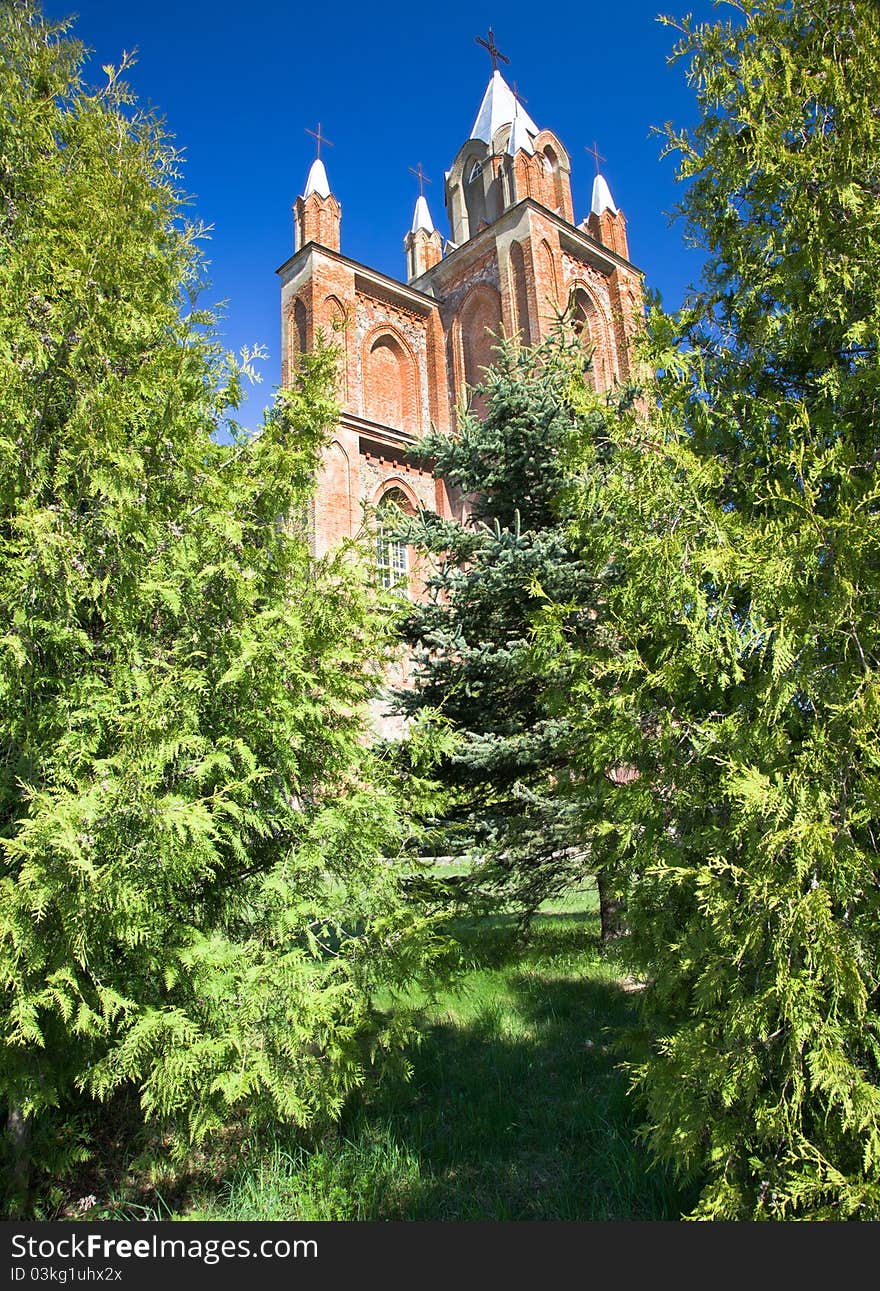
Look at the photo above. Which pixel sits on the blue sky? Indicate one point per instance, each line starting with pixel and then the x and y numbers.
pixel 393 84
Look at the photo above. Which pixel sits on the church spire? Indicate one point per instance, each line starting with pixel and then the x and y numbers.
pixel 317 214
pixel 605 221
pixel 317 181
pixel 422 217
pixel 423 245
pixel 602 199
pixel 499 108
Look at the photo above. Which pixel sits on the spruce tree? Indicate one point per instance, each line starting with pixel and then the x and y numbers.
pixel 195 899
pixel 738 510
pixel 508 775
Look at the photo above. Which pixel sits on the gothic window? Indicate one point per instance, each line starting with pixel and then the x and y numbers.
pixel 475 197
pixel 392 557
pixel 587 326
pixel 552 180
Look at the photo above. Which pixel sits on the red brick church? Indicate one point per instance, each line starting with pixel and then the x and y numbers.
pixel 412 350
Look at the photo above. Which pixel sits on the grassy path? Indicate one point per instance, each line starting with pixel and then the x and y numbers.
pixel 515 1109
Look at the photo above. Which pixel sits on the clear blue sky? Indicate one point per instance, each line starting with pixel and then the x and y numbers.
pixel 393 85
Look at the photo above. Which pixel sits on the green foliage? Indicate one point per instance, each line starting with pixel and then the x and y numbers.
pixel 193 895
pixel 506 772
pixel 738 670
pixel 516 1110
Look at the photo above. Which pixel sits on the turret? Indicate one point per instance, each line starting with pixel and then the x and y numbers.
pixel 423 244
pixel 605 221
pixel 317 214
pixel 507 158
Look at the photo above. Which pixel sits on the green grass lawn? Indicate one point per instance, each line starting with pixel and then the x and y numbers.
pixel 516 1108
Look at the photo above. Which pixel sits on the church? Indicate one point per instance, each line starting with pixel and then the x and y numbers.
pixel 413 351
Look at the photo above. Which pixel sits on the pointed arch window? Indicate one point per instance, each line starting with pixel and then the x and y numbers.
pixel 586 324
pixel 392 557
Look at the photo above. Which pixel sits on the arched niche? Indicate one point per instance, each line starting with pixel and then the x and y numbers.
pixel 479 328
pixel 335 314
pixel 591 327
pixel 298 330
pixel 554 175
pixel 390 383
pixel 519 293
pixel 335 318
pixel 335 500
pixel 548 279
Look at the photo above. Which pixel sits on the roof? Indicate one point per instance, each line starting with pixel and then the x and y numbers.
pixel 519 137
pixel 498 108
pixel 422 217
pixel 602 199
pixel 317 181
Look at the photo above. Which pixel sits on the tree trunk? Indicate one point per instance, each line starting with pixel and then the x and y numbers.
pixel 612 908
pixel 18 1127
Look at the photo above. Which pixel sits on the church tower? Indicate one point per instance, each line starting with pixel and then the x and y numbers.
pixel 413 351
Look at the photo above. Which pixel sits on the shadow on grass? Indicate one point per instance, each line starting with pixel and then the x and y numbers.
pixel 499 941
pixel 529 1126
pixel 516 1108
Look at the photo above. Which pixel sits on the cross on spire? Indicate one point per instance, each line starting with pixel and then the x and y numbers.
pixel 494 52
pixel 421 177
pixel 320 138
pixel 595 154
pixel 520 98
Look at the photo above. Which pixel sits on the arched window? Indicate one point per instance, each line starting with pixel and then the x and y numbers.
pixel 587 326
pixel 392 557
pixel 553 180
pixel 475 196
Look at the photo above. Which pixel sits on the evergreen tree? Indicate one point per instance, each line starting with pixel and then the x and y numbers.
pixel 195 900
pixel 508 774
pixel 737 515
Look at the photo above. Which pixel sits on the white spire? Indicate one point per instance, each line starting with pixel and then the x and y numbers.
pixel 422 217
pixel 519 136
pixel 498 108
pixel 317 180
pixel 602 199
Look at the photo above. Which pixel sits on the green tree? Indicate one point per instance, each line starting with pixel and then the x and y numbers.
pixel 737 515
pixel 194 897
pixel 508 774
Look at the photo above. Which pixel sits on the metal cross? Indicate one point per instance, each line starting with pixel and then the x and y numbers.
pixel 421 177
pixel 520 98
pixel 316 134
pixel 494 52
pixel 596 154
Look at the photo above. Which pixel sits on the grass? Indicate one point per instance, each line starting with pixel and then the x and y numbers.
pixel 516 1108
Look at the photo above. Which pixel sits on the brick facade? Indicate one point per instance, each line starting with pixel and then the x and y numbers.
pixel 412 351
